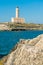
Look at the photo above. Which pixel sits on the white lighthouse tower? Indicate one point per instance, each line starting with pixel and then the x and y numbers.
pixel 17 12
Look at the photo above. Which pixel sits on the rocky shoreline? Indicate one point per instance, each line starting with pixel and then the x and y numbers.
pixel 26 52
pixel 20 27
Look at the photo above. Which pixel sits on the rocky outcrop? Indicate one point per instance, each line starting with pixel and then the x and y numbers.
pixel 3 27
pixel 27 52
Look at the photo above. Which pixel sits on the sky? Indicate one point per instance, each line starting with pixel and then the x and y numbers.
pixel 31 10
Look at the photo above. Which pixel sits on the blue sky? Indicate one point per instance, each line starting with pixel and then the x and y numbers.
pixel 31 10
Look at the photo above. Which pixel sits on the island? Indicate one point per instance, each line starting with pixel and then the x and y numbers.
pixel 9 26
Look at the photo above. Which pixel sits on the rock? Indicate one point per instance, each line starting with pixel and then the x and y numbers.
pixel 28 53
pixel 40 43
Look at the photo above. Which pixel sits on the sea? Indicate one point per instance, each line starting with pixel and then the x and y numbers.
pixel 8 39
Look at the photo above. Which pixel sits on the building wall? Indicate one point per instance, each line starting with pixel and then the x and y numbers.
pixel 18 20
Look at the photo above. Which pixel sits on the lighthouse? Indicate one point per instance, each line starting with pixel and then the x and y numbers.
pixel 17 19
pixel 17 12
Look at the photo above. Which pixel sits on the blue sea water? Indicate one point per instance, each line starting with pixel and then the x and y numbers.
pixel 8 39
